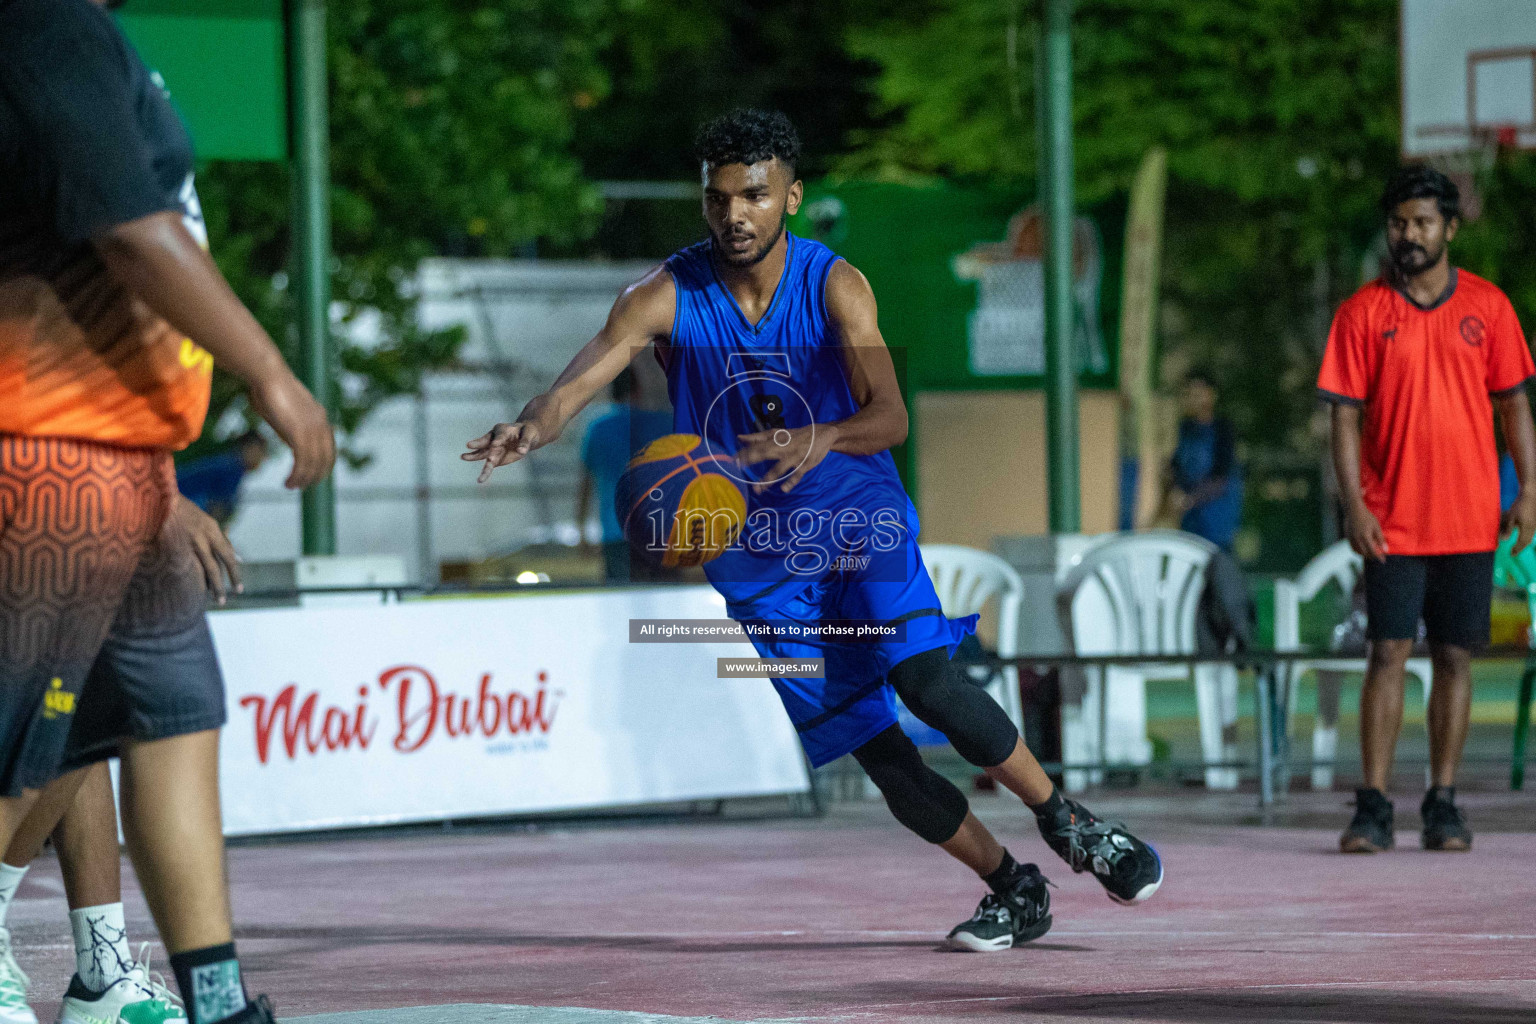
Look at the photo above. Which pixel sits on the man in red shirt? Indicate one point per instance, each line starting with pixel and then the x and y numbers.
pixel 1416 363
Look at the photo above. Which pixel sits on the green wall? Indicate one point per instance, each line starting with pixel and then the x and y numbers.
pixel 223 61
pixel 905 238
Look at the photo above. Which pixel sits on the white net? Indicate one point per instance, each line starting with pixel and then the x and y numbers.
pixel 1467 167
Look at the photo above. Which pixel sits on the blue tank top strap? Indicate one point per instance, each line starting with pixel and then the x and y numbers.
pixel 690 267
pixel 816 261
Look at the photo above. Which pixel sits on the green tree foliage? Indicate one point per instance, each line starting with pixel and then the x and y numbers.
pixel 675 63
pixel 451 132
pixel 1501 244
pixel 1281 121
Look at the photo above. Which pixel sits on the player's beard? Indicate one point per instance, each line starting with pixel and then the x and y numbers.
pixel 752 259
pixel 1409 258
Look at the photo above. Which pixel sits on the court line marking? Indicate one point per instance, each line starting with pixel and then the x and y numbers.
pixel 1176 990
pixel 1058 933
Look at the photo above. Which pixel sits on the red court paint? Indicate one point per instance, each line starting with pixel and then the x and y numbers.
pixel 840 919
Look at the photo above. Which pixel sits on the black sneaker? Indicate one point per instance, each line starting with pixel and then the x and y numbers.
pixel 1003 921
pixel 1129 869
pixel 1371 829
pixel 1444 827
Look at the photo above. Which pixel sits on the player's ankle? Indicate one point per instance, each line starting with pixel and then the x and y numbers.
pixel 210 983
pixel 102 956
pixel 1047 809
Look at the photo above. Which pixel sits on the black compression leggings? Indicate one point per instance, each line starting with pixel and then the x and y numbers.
pixel 920 798
pixel 936 692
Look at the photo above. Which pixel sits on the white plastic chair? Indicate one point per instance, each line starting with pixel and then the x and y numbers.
pixel 1140 594
pixel 965 579
pixel 1336 564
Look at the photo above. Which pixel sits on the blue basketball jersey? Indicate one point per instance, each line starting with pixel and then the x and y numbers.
pixel 728 377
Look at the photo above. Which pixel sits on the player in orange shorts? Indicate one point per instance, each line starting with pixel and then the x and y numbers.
pixel 111 314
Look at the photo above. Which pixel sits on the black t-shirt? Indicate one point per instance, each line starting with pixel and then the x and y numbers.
pixel 88 139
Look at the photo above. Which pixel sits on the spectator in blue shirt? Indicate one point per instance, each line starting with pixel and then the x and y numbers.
pixel 1205 480
pixel 605 450
pixel 212 483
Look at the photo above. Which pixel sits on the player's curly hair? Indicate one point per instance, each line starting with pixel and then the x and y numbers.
pixel 1420 181
pixel 747 136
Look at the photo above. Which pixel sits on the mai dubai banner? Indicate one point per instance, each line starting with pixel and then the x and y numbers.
pixel 435 709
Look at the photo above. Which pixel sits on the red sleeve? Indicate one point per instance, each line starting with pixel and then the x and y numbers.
pixel 1345 375
pixel 1509 357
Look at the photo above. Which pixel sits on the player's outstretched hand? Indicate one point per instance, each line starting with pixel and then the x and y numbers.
pixel 1521 520
pixel 503 445
pixel 1365 534
pixel 301 422
pixel 214 552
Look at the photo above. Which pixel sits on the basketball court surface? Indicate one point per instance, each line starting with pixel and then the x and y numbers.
pixel 840 919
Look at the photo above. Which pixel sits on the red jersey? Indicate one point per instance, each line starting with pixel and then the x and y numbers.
pixel 1424 376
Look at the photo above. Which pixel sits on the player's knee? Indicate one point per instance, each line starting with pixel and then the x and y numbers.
pixel 919 797
pixel 920 682
pixel 1450 658
pixel 1390 654
pixel 939 695
pixel 891 757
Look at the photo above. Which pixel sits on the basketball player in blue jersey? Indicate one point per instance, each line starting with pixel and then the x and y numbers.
pixel 773 354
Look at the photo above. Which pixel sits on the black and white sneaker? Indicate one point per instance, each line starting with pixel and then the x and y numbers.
pixel 1370 831
pixel 1005 920
pixel 1444 827
pixel 1129 869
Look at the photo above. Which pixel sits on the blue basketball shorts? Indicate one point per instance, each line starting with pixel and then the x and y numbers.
pixel 838 714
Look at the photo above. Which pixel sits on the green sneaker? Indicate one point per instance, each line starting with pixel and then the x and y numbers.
pixel 13 987
pixel 140 997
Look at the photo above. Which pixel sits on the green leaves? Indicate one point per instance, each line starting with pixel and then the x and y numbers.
pixel 1280 118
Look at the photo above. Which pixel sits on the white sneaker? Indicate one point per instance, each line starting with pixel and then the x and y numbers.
pixel 13 986
pixel 140 997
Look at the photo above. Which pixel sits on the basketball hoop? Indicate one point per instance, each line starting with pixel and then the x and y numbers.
pixel 1467 167
pixel 1468 86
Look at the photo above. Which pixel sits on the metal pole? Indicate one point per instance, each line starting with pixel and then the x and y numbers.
pixel 312 239
pixel 426 553
pixel 1264 696
pixel 1054 136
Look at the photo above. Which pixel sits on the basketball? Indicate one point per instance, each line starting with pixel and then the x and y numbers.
pixel 676 503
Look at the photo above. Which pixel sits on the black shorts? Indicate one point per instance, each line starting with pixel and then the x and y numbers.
pixel 157 675
pixel 1453 594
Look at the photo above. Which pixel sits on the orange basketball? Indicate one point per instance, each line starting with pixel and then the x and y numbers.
pixel 677 504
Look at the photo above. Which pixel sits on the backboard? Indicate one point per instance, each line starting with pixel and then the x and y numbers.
pixel 1468 76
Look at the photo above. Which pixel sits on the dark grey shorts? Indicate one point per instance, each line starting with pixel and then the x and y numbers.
pixel 147 687
pixel 157 674
pixel 1453 594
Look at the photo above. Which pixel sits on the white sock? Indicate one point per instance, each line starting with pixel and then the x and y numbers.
pixel 101 945
pixel 10 881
